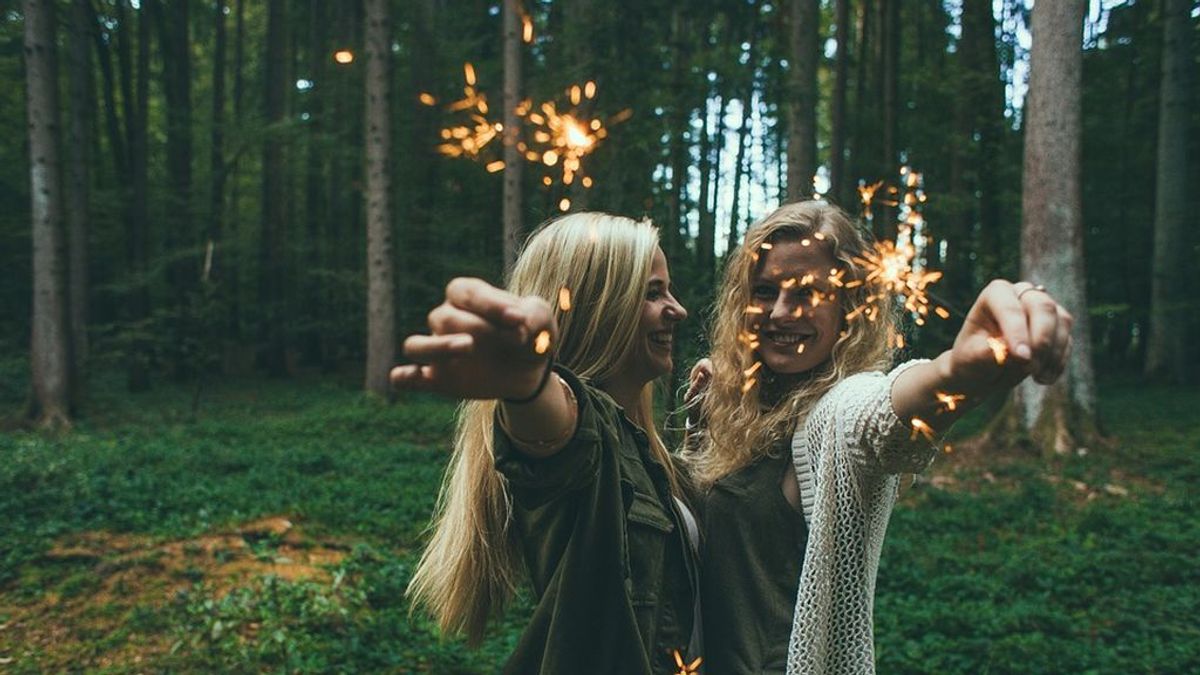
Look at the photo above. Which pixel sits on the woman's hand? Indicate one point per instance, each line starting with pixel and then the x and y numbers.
pixel 484 343
pixel 1012 331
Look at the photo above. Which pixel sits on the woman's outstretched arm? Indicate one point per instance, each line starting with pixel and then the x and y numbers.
pixel 1013 331
pixel 487 343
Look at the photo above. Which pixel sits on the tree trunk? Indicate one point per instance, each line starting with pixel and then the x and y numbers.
pixel 50 341
pixel 136 124
pixel 217 163
pixel 513 162
pixel 802 99
pixel 1059 418
pixel 175 44
pixel 1166 345
pixel 78 147
pixel 739 164
pixel 270 253
pixel 837 112
pixel 381 310
pixel 705 234
pixel 889 156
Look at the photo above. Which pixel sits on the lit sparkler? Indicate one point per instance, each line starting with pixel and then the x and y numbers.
pixel 920 428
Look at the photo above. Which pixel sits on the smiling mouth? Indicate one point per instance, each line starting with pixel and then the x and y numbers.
pixel 786 339
pixel 662 338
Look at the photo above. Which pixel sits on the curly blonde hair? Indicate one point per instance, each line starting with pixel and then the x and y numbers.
pixel 741 427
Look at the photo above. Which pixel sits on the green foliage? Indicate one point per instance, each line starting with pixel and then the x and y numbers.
pixel 1023 575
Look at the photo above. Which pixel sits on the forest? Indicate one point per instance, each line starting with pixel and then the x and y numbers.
pixel 222 217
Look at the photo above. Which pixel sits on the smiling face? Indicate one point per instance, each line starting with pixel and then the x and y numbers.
pixel 650 356
pixel 799 315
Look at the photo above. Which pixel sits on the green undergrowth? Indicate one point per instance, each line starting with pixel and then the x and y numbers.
pixel 1019 571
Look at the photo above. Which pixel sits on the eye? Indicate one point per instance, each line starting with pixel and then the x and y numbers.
pixel 763 292
pixel 654 293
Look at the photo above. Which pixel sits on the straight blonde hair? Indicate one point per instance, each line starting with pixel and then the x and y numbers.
pixel 472 567
pixel 741 427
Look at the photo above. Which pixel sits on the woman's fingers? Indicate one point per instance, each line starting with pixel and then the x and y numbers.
pixel 412 376
pixel 1057 362
pixel 1042 316
pixel 481 298
pixel 999 301
pixel 428 348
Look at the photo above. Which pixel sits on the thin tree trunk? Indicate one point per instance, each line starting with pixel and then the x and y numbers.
pixel 513 162
pixel 890 32
pixel 139 209
pixel 78 147
pixel 858 142
pixel 739 164
pixel 1060 417
pixel 1166 347
pixel 174 40
pixel 802 101
pixel 705 234
pixel 50 340
pixel 837 113
pixel 116 141
pixel 381 309
pixel 673 243
pixel 217 163
pixel 270 254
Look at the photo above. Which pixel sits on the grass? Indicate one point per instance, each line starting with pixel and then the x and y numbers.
pixel 278 529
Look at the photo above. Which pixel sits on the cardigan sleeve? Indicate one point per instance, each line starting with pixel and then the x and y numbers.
pixel 860 408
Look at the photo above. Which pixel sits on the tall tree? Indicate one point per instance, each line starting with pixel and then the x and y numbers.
pixel 1166 346
pixel 802 97
pixel 1060 417
pixel 381 308
pixel 175 45
pixel 50 341
pixel 217 161
pixel 513 162
pixel 137 125
pixel 837 105
pixel 270 253
pixel 78 147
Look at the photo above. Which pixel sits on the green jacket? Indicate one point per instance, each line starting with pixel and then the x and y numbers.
pixel 604 547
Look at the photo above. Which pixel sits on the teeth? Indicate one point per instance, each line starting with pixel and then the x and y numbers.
pixel 663 339
pixel 787 338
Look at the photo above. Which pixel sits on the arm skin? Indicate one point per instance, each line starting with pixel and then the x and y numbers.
pixel 483 345
pixel 1036 331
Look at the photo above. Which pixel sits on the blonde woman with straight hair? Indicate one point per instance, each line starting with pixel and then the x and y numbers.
pixel 803 432
pixel 558 476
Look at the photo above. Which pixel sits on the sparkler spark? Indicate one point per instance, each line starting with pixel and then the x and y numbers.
pixel 920 428
pixel 999 350
pixel 949 401
pixel 541 343
pixel 686 669
pixel 564 299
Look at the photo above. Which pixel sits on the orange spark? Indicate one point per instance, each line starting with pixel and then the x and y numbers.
pixel 564 205
pixel 754 309
pixel 949 401
pixel 800 349
pixel 427 98
pixel 343 56
pixel 686 669
pixel 541 343
pixel 999 350
pixel 564 299
pixel 469 73
pixel 526 29
pixel 920 428
pixel 495 166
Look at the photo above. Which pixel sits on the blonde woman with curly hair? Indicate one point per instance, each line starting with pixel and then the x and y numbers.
pixel 558 477
pixel 803 432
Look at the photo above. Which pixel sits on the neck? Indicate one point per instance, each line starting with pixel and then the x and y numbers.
pixel 626 392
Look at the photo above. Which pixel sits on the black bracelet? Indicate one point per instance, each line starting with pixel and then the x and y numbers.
pixel 541 386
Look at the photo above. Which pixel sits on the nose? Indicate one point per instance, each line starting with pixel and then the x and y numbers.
pixel 674 311
pixel 782 308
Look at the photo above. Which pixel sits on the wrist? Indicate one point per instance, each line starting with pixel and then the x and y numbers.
pixel 543 378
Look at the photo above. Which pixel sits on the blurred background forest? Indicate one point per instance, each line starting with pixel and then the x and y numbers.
pixel 224 216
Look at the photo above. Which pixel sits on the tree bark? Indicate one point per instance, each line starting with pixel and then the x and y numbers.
pixel 136 124
pixel 837 112
pixel 1061 417
pixel 217 140
pixel 270 254
pixel 1166 345
pixel 174 42
pixel 82 92
pixel 707 224
pixel 381 310
pixel 513 162
pixel 50 340
pixel 802 102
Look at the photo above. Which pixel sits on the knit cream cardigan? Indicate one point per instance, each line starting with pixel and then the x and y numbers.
pixel 849 455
